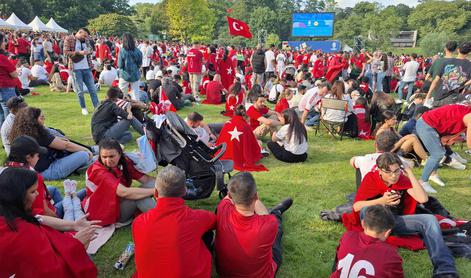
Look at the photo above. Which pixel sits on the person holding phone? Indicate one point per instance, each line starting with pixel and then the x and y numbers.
pixel 394 185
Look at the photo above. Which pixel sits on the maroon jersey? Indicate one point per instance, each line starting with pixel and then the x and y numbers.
pixel 360 255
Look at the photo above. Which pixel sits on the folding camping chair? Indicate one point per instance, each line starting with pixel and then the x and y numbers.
pixel 334 128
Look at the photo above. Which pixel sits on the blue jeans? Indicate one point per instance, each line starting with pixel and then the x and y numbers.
pixel 65 166
pixel 312 118
pixel 410 88
pixel 67 208
pixel 379 80
pixel 120 131
pixel 431 140
pixel 84 76
pixel 426 225
pixel 5 95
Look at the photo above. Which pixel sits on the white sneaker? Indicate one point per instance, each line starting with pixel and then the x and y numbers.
pixel 428 188
pixel 72 186
pixel 455 164
pixel 197 99
pixel 265 153
pixel 436 179
pixel 459 158
pixel 84 111
pixel 66 186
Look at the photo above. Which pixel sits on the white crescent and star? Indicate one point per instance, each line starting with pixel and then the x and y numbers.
pixel 229 71
pixel 235 134
pixel 236 26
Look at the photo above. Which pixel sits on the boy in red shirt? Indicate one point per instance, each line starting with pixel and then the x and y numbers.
pixel 365 252
pixel 248 236
pixel 169 238
pixel 262 120
pixel 194 59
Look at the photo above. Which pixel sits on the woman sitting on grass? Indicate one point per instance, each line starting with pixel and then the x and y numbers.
pixel 289 144
pixel 110 197
pixel 28 247
pixel 55 83
pixel 406 144
pixel 283 100
pixel 235 98
pixel 63 158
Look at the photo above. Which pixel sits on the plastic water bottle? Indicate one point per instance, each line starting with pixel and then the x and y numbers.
pixel 125 256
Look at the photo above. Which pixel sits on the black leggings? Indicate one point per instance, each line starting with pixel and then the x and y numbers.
pixel 283 155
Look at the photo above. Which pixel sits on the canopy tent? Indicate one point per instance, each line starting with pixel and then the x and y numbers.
pixel 39 26
pixel 5 25
pixel 347 48
pixel 54 26
pixel 17 23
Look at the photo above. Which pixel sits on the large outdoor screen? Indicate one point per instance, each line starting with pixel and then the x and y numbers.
pixel 313 25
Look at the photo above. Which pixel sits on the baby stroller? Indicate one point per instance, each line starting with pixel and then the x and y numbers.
pixel 174 142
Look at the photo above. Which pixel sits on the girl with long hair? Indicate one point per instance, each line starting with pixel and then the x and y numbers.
pixel 31 246
pixel 283 99
pixel 63 157
pixel 289 144
pixel 338 116
pixel 110 197
pixel 235 98
pixel 129 64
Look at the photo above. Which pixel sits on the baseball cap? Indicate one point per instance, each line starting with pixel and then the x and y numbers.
pixel 142 84
pixel 24 145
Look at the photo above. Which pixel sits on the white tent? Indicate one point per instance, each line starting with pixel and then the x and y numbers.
pixel 17 23
pixel 39 26
pixel 54 26
pixel 5 25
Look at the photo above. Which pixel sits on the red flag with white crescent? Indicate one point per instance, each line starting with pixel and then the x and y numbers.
pixel 238 28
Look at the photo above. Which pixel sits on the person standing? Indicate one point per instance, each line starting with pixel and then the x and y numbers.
pixel 8 80
pixel 410 73
pixel 146 51
pixel 78 50
pixel 129 63
pixel 258 64
pixel 270 62
pixel 194 59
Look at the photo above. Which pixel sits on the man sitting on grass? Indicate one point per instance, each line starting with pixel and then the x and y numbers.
pixel 262 120
pixel 394 185
pixel 169 238
pixel 366 251
pixel 248 236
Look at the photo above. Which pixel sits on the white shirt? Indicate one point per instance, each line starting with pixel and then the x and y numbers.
pixel 410 71
pixel 338 116
pixel 275 91
pixel 150 74
pixel 108 76
pixel 47 46
pixel 146 51
pixel 291 144
pixel 269 58
pixel 5 132
pixel 280 60
pixel 39 72
pixel 309 100
pixel 23 74
pixel 83 64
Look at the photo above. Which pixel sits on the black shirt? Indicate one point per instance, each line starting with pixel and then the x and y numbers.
pixel 105 116
pixel 45 160
pixel 453 73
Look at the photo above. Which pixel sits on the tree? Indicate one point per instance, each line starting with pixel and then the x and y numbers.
pixel 22 8
pixel 190 20
pixel 143 18
pixel 159 20
pixel 432 43
pixel 112 25
pixel 273 39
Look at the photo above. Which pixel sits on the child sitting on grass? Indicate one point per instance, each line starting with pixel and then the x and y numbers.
pixel 283 99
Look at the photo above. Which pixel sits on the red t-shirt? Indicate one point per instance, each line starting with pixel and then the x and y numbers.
pixel 43 195
pixel 282 105
pixel 361 255
pixel 254 114
pixel 101 201
pixel 244 243
pixel 213 92
pixel 6 67
pixel 168 240
pixel 194 60
pixel 448 119
pixel 23 46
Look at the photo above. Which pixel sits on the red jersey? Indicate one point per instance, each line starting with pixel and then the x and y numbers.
pixel 448 119
pixel 254 114
pixel 282 105
pixel 194 60
pixel 233 101
pixel 244 243
pixel 213 92
pixel 101 201
pixel 6 67
pixel 168 240
pixel 103 52
pixel 360 255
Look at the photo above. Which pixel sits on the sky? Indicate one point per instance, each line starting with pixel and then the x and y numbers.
pixel 342 3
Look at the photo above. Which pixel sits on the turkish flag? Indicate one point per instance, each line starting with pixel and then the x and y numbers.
pixel 242 146
pixel 227 72
pixel 239 28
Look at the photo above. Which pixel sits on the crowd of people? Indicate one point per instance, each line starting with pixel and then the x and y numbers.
pixel 144 78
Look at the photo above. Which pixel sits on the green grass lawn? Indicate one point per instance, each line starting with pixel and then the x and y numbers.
pixel 322 182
